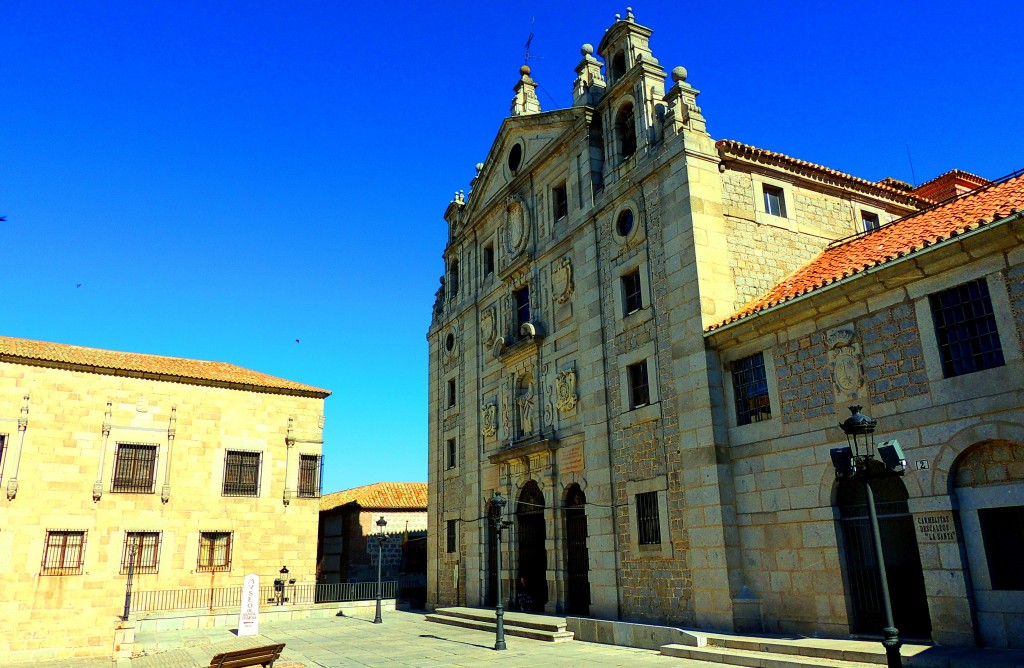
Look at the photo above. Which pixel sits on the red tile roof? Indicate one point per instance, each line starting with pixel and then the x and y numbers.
pixel 911 234
pixel 952 183
pixel 884 188
pixel 26 351
pixel 380 495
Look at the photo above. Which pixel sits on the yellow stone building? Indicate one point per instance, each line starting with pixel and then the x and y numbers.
pixel 204 471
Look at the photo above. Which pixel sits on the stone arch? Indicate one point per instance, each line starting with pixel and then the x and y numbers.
pixel 625 131
pixel 941 482
pixel 571 479
pixel 991 462
pixel 618 65
pixel 531 536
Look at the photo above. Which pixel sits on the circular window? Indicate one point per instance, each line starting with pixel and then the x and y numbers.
pixel 624 225
pixel 449 342
pixel 515 157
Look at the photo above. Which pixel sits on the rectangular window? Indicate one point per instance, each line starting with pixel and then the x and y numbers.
pixel 647 521
pixel 1002 531
pixel 451 393
pixel 639 391
pixel 64 553
pixel 632 297
pixel 3 453
pixel 309 475
pixel 134 468
pixel 965 329
pixel 451 536
pixel 488 260
pixel 750 390
pixel 454 273
pixel 142 547
pixel 560 199
pixel 522 296
pixel 214 551
pixel 774 200
pixel 242 473
pixel 869 220
pixel 452 453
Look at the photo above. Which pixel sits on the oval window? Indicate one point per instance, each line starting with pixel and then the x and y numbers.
pixel 449 342
pixel 624 225
pixel 515 157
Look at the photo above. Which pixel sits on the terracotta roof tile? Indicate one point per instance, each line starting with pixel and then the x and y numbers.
pixel 26 351
pixel 908 235
pixel 379 495
pixel 952 183
pixel 884 188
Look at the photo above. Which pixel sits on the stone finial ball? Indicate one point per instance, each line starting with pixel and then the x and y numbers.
pixel 479 166
pixel 679 74
pixel 524 70
pixel 587 49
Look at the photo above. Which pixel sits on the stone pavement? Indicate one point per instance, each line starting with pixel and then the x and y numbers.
pixel 404 639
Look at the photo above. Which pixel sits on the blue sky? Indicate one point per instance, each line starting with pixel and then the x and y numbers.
pixel 226 177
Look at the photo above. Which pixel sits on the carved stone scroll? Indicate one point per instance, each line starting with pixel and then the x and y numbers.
pixel 566 382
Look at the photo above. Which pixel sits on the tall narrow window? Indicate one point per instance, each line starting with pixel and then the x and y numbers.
pixel 647 520
pixel 454 278
pixel 750 390
pixel 64 553
pixel 134 468
pixel 309 475
pixel 596 145
pixel 965 329
pixel 632 298
pixel 452 453
pixel 560 200
pixel 774 200
pixel 488 260
pixel 451 535
pixel 144 548
pixel 522 296
pixel 625 131
pixel 639 391
pixel 618 66
pixel 451 392
pixel 242 473
pixel 869 221
pixel 214 551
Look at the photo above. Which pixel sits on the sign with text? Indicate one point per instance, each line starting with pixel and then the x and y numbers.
pixel 249 615
pixel 571 459
pixel 936 527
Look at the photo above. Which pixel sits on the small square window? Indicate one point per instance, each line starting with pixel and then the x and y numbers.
pixel 134 468
pixel 750 390
pixel 632 296
pixel 965 329
pixel 214 551
pixel 310 467
pixel 64 553
pixel 142 547
pixel 522 296
pixel 451 392
pixel 639 391
pixel 560 200
pixel 1002 531
pixel 242 473
pixel 452 453
pixel 774 200
pixel 869 221
pixel 451 536
pixel 648 521
pixel 488 260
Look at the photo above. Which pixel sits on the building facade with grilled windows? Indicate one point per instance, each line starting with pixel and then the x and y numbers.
pixel 189 474
pixel 652 370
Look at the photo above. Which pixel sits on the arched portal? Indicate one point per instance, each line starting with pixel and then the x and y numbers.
pixel 531 578
pixel 902 559
pixel 577 559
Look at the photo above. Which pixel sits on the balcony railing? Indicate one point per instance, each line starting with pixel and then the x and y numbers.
pixel 231 597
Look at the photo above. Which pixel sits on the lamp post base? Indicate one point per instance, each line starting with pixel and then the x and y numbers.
pixel 891 642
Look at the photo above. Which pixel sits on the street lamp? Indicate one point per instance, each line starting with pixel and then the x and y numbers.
pixel 857 461
pixel 499 611
pixel 279 584
pixel 381 538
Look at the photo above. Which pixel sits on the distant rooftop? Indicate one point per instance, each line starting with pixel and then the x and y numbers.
pixel 380 496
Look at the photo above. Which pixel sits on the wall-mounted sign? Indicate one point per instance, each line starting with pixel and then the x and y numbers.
pixel 571 459
pixel 935 527
pixel 249 615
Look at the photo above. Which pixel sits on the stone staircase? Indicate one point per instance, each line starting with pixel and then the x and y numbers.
pixel 523 625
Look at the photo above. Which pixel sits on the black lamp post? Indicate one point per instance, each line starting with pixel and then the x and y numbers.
pixel 132 550
pixel 381 538
pixel 499 611
pixel 857 461
pixel 279 584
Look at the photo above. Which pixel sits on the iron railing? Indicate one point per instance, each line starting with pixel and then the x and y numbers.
pixel 231 597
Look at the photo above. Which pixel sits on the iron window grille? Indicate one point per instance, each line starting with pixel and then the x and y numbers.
pixel 64 553
pixel 965 329
pixel 134 468
pixel 522 296
pixel 870 221
pixel 639 390
pixel 310 471
pixel 750 390
pixel 452 453
pixel 561 201
pixel 147 551
pixel 631 293
pixel 488 260
pixel 1002 531
pixel 774 200
pixel 214 551
pixel 451 536
pixel 647 520
pixel 242 473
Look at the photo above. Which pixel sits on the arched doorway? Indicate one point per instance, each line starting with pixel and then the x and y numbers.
pixel 490 595
pixel 902 559
pixel 577 559
pixel 531 579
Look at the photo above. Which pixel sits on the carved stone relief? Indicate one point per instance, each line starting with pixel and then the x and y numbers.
pixel 844 356
pixel 489 419
pixel 488 325
pixel 525 400
pixel 566 382
pixel 517 229
pixel 561 280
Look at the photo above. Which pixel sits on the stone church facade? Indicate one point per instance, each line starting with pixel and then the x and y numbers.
pixel 619 348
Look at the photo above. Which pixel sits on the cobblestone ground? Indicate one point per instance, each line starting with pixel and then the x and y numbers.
pixel 404 639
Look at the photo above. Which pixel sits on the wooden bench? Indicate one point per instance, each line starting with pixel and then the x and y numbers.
pixel 254 656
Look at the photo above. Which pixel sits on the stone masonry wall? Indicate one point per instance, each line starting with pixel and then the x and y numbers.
pixel 805 383
pixel 1015 287
pixel 893 359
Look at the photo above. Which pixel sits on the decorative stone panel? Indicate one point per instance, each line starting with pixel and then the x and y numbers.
pixel 805 381
pixel 893 359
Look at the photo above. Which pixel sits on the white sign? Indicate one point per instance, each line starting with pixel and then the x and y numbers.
pixel 249 615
